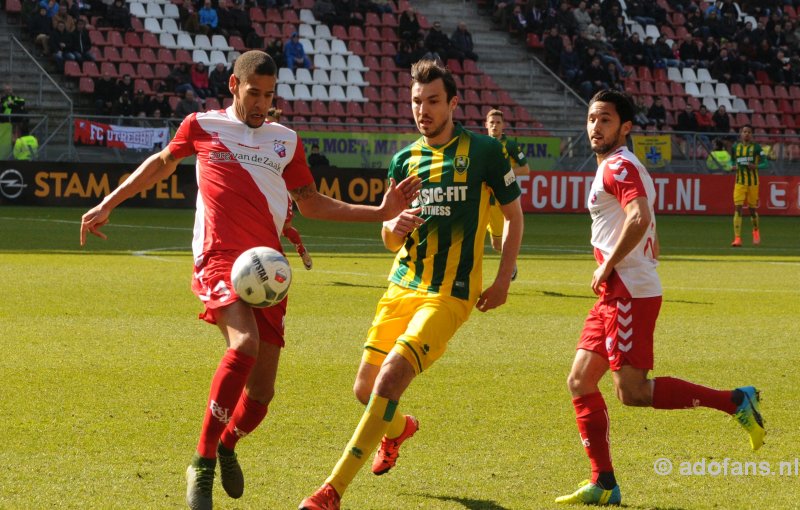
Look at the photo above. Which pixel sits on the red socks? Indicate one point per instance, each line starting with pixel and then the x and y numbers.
pixel 671 393
pixel 226 388
pixel 592 417
pixel 248 414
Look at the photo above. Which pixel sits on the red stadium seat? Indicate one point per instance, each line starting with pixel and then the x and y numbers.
pixel 111 54
pixel 785 106
pixel 72 69
pixel 145 71
pixel 161 71
pixel 471 112
pixel 132 39
pixel 90 69
pixel 302 108
pixel 372 34
pixel 96 38
pixel 86 85
pixel 751 91
pixel 387 64
pixel 470 67
pixel 737 90
pixel 372 110
pixel 148 56
pixel 257 15
pixel 356 33
pixel 388 110
pixel 454 66
pixel 126 69
pixel 290 16
pixel 372 20
pixel 165 56
pixel 212 103
pixel 109 68
pixel 388 94
pixel 471 81
pixel 129 54
pixel 766 92
pixel 143 85
pixel 389 20
pixel 470 96
pixel 488 97
pixel 318 108
pixel 758 121
pixel 755 105
pixel 770 106
pixel 533 42
pixel 388 50
pixel 354 109
pixel 237 43
pixel 114 38
pixel 372 95
pixel 339 32
pixel 335 109
pixel 678 104
pixel 389 34
pixel 487 82
pixel 183 57
pixel 661 88
pixel 676 89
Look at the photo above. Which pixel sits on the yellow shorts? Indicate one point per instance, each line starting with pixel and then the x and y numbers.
pixel 496 220
pixel 742 192
pixel 415 325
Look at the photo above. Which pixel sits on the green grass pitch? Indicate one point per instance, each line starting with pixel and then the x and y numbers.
pixel 105 371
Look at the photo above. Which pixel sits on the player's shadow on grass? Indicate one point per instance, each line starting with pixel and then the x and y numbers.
pixel 549 293
pixel 345 284
pixel 471 504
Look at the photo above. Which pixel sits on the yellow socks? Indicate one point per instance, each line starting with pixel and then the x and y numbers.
pixel 754 220
pixel 397 426
pixel 378 416
pixel 737 224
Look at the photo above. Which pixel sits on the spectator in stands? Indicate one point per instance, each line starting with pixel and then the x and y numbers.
pixel 581 16
pixel 462 42
pixel 200 83
pixel 595 78
pixel 26 146
pixel 614 77
pixel 275 50
pixel 687 120
pixel 179 79
pixel 218 81
pixel 208 19
pixel 501 13
pixel 158 106
pixel 82 43
pixel 105 92
pixel 325 11
pixel 11 104
pixel 617 33
pixel 295 54
pixel 405 55
pixel 518 23
pixel 633 51
pixel 62 16
pixel 565 21
pixel 187 105
pixel 657 114
pixel 689 52
pixel 553 46
pixel 741 72
pixel 780 69
pixel 125 84
pixel 140 104
pixel 61 46
pixel 190 19
pixel 119 16
pixel 123 106
pixel 595 30
pixel 708 52
pixel 721 120
pixel 40 29
pixel 316 159
pixel 764 56
pixel 536 16
pixel 238 23
pixel 437 42
pixel 408 28
pixel 569 64
pixel 640 114
pixel 705 124
pixel 721 67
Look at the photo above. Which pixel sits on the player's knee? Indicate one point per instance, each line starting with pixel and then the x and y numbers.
pixel 262 395
pixel 362 392
pixel 575 384
pixel 633 395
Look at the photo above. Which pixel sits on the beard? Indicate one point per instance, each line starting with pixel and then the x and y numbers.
pixel 602 150
pixel 432 131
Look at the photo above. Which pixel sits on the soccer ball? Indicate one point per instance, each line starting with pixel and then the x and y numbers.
pixel 261 276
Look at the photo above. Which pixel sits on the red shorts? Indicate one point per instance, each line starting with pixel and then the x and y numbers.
pixel 622 329
pixel 211 283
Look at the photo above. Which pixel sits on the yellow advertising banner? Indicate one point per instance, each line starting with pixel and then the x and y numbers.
pixel 654 151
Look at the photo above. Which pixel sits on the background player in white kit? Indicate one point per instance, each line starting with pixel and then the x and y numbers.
pixel 246 170
pixel 618 333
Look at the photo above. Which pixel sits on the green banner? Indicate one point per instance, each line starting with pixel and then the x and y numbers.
pixel 375 150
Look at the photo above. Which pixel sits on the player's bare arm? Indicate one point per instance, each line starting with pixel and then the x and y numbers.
pixel 637 221
pixel 497 293
pixel 152 170
pixel 521 170
pixel 313 204
pixel 395 231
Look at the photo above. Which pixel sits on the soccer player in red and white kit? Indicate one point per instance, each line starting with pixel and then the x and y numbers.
pixel 246 170
pixel 618 333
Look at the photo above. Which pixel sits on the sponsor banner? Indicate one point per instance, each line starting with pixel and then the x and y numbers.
pixel 375 150
pixel 88 132
pixel 654 151
pixel 675 193
pixel 85 184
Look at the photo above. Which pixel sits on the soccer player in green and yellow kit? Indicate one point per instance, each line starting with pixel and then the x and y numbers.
pixel 436 277
pixel 746 157
pixel 519 164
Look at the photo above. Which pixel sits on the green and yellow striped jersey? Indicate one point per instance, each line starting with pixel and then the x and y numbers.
pixel 515 154
pixel 445 253
pixel 742 156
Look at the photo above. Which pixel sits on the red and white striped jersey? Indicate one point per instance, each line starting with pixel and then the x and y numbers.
pixel 243 178
pixel 621 178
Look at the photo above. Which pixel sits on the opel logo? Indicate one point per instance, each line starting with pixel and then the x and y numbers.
pixel 11 184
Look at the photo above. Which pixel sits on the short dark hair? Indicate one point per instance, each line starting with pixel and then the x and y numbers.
pixel 254 62
pixel 746 126
pixel 621 101
pixel 427 71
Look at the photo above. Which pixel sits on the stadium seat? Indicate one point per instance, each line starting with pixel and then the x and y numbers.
pixel 132 40
pixel 337 93
pixel 170 26
pixel 285 91
pixel 710 103
pixel 72 69
pixel 90 69
pixel 703 76
pixel 471 112
pixel 533 42
pixel 111 54
pixel 96 38
pixel 691 89
pixel 322 46
pixel 307 17
pixel 750 91
pixel 766 92
pixel 488 97
pixel 388 95
pixel 354 94
pixel 154 10
pixel 758 121
pixel 318 93
pixel 707 90
pixel 201 56
pixel 218 42
pixel 354 109
pixel 217 57
pixel 674 74
pixel 152 25
pixel 321 77
pixel 171 11
pixel 721 90
pixel 372 34
pixel 302 92
pixel 290 17
pixel 114 38
pixel 338 47
pixel 319 108
pixel 356 33
pixel 661 88
pixel 726 102
pixel 168 41
pixel 129 54
pixel 337 77
pixel 354 62
pixel 739 105
pixel 127 69
pixel 322 62
pixel 137 9
pixel 338 62
pixel 389 34
pixel 335 108
pixel 86 85
pixel 689 75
